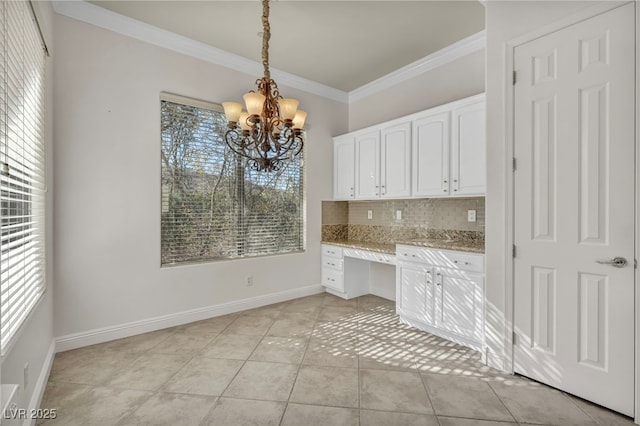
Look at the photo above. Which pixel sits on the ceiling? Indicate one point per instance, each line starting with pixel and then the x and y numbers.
pixel 341 44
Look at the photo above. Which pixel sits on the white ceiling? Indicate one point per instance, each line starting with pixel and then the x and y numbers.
pixel 341 44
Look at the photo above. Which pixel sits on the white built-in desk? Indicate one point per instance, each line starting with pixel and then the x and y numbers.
pixel 351 272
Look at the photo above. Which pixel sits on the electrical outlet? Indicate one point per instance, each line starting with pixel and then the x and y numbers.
pixel 398 214
pixel 471 215
pixel 26 375
pixel 369 214
pixel 249 281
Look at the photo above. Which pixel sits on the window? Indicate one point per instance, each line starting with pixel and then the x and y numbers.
pixel 213 205
pixel 22 163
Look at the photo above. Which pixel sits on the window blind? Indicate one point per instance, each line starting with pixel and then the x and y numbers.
pixel 22 167
pixel 213 205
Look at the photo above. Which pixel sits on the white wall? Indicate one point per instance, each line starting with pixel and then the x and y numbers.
pixel 456 80
pixel 505 20
pixel 107 162
pixel 36 336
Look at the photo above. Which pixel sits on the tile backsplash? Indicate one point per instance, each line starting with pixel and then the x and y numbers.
pixel 419 218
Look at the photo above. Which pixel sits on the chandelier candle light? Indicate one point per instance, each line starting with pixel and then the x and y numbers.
pixel 269 132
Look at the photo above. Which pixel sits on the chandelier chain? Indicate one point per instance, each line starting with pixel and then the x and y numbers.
pixel 266 35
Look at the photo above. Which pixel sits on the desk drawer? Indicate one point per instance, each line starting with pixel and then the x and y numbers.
pixel 332 262
pixel 333 279
pixel 332 251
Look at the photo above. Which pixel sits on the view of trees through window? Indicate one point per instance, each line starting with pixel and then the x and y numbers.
pixel 213 205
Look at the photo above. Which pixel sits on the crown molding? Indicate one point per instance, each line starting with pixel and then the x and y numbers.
pixel 464 47
pixel 103 18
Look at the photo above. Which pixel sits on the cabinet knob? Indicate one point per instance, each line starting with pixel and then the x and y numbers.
pixel 455 190
pixel 444 190
pixel 455 261
pixel 445 181
pixel 438 274
pixel 455 180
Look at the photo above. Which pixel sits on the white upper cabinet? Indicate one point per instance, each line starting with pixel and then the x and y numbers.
pixel 344 167
pixel 431 155
pixel 435 153
pixel 395 165
pixel 468 165
pixel 368 165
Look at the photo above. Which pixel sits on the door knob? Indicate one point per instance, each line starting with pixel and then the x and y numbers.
pixel 616 262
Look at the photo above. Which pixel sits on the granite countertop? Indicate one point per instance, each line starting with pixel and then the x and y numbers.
pixel 472 246
pixel 377 247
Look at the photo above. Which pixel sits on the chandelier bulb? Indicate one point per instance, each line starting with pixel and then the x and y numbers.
pixel 232 111
pixel 299 119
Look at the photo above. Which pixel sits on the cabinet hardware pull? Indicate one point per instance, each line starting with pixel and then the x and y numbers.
pixel 445 181
pixel 444 190
pixel 455 261
pixel 455 180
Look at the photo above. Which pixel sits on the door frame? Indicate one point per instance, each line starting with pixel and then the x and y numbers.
pixel 509 136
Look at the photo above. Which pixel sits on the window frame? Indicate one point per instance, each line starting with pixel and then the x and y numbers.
pixel 30 44
pixel 212 106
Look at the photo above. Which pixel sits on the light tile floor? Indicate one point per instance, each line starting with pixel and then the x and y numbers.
pixel 318 360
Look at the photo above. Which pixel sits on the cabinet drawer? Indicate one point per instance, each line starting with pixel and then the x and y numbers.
pixel 459 260
pixel 332 279
pixel 332 251
pixel 412 254
pixel 444 258
pixel 332 262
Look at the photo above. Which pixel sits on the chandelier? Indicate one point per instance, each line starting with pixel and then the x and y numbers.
pixel 269 132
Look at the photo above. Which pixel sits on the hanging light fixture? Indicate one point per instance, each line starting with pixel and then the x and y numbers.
pixel 269 132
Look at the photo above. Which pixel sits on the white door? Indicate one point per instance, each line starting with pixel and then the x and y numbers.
pixel 395 167
pixel 368 165
pixel 430 168
pixel 459 302
pixel 468 165
pixel 344 160
pixel 574 209
pixel 414 294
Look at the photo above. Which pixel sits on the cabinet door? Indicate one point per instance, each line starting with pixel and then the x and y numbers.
pixel 458 300
pixel 395 165
pixel 414 292
pixel 343 168
pixel 468 150
pixel 430 168
pixel 368 165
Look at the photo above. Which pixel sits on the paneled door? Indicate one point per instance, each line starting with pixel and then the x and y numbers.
pixel 574 209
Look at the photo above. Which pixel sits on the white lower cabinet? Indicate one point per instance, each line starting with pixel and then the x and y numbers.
pixel 332 268
pixel 442 292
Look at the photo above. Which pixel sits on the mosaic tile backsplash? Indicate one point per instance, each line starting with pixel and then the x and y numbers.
pixel 421 218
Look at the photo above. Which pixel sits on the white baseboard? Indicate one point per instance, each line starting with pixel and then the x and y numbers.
pixel 41 384
pixel 497 361
pixel 101 335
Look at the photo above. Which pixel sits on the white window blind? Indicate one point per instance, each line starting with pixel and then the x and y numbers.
pixel 22 167
pixel 213 205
